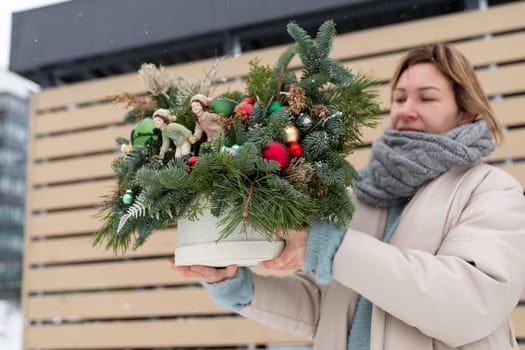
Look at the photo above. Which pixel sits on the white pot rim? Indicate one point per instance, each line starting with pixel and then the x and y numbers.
pixel 224 253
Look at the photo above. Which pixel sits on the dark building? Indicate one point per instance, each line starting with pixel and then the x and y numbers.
pixel 87 39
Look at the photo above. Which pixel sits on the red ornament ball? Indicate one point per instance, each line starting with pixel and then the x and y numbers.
pixel 295 149
pixel 244 107
pixel 249 100
pixel 278 152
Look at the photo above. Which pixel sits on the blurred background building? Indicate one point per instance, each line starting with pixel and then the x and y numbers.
pixel 14 109
pixel 13 137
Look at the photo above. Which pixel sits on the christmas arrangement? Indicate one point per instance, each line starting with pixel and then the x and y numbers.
pixel 271 158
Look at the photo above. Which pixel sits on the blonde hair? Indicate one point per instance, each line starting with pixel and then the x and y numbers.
pixel 468 92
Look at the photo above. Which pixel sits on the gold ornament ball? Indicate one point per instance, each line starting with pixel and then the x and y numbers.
pixel 125 148
pixel 291 134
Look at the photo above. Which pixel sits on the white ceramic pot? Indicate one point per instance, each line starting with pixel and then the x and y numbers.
pixel 197 244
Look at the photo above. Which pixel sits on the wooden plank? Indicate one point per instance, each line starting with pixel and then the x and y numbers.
pixel 80 249
pixel 62 223
pixel 78 118
pixel 505 48
pixel 394 37
pixel 225 331
pixel 370 134
pixel 512 146
pixel 124 304
pixel 121 274
pixel 518 171
pixel 79 143
pixel 495 49
pixel 503 80
pixel 81 168
pixel 509 110
pixel 71 196
pixel 518 319
pixel 436 29
pixel 359 158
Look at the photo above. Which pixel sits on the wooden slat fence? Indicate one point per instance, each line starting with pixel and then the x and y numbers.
pixel 79 297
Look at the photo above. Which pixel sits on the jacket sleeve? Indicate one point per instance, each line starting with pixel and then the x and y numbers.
pixel 465 291
pixel 288 303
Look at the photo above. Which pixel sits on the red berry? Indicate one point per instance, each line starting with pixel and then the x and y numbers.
pixel 192 160
pixel 295 149
pixel 278 152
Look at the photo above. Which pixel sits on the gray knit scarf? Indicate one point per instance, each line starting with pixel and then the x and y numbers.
pixel 402 161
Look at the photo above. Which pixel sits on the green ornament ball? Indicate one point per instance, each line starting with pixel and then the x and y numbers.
pixel 128 197
pixel 143 131
pixel 222 105
pixel 274 106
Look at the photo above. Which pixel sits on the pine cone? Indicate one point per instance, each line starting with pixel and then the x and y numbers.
pixel 296 98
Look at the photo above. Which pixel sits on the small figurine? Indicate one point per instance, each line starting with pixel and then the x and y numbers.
pixel 206 121
pixel 172 131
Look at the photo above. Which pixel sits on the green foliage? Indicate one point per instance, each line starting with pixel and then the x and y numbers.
pixel 259 81
pixel 231 177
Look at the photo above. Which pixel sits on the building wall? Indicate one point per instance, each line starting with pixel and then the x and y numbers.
pixel 79 297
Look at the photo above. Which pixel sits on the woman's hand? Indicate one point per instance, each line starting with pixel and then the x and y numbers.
pixel 292 256
pixel 205 273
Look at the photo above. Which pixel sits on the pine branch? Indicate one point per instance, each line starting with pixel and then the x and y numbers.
pixel 337 72
pixel 281 66
pixel 305 45
pixel 324 39
pixel 246 158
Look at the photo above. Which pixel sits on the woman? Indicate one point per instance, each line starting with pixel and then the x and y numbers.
pixel 433 257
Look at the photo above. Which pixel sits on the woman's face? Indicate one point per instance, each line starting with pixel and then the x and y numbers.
pixel 159 123
pixel 196 107
pixel 423 100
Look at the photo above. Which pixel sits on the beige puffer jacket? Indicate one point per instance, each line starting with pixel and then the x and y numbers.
pixel 449 278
